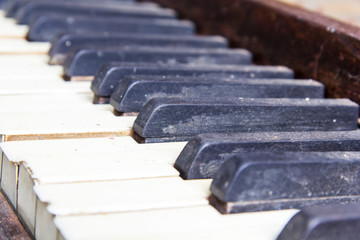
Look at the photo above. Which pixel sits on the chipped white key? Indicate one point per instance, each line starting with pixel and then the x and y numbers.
pixel 202 222
pixel 114 196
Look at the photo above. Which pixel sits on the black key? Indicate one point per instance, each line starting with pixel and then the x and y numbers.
pixel 65 43
pixel 274 181
pixel 34 9
pixel 165 119
pixel 13 6
pixel 330 222
pixel 203 155
pixel 87 62
pixel 134 91
pixel 110 74
pixel 45 28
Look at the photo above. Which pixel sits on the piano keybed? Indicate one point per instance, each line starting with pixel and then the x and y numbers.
pixel 72 169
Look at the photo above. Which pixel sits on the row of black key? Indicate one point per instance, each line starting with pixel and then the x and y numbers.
pixel 178 101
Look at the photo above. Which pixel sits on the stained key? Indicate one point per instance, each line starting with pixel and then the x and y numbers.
pixel 134 91
pixel 274 181
pixel 204 154
pixel 165 119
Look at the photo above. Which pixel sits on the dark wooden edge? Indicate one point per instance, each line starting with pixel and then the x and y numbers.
pixel 314 46
pixel 10 225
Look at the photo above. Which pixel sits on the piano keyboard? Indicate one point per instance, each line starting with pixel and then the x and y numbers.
pixel 72 169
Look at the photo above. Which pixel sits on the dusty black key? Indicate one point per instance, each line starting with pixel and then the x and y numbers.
pixel 13 6
pixel 45 28
pixel 330 222
pixel 203 155
pixel 273 181
pixel 31 10
pixel 87 62
pixel 165 119
pixel 65 43
pixel 134 91
pixel 110 74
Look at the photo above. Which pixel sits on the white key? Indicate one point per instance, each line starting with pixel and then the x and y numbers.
pixel 46 102
pixel 202 222
pixel 42 86
pixel 134 162
pixel 9 30
pixel 114 196
pixel 21 46
pixel 10 60
pixel 82 124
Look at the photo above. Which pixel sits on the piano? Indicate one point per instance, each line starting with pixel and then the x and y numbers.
pixel 71 169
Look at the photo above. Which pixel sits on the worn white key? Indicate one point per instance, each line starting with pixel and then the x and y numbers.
pixel 46 102
pixel 202 222
pixel 37 126
pixel 114 196
pixel 39 76
pixel 137 162
pixel 13 153
pixel 21 46
pixel 23 60
pixel 10 30
pixel 44 86
pixel 38 73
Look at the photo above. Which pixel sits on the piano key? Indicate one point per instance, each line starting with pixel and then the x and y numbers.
pixel 12 7
pixel 9 32
pixel 272 181
pixel 45 28
pixel 20 46
pixel 87 62
pixel 324 222
pixel 110 74
pixel 134 163
pixel 59 125
pixel 46 102
pixel 65 43
pixel 20 85
pixel 13 153
pixel 134 91
pixel 9 60
pixel 203 156
pixel 166 119
pixel 31 10
pixel 201 222
pixel 130 196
